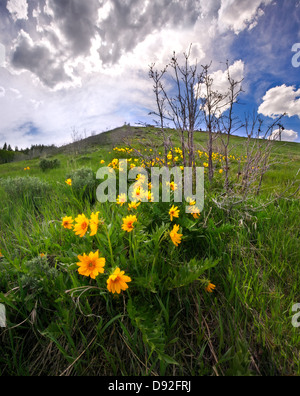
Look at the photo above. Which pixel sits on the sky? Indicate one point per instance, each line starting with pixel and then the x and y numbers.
pixel 83 65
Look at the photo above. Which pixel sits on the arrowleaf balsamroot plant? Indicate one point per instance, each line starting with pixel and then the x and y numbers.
pixel 91 265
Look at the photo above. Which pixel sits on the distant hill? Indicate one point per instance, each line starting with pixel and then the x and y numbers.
pixel 117 136
pixel 109 138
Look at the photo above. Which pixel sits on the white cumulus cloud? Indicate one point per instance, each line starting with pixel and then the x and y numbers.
pixel 85 63
pixel 238 15
pixel 286 135
pixel 280 100
pixel 18 9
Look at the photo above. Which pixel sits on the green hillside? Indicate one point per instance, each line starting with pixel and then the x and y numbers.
pixel 86 152
pixel 219 302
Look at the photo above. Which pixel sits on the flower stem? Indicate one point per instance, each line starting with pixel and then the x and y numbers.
pixel 109 245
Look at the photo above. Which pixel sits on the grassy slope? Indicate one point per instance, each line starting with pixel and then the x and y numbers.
pixel 286 154
pixel 244 328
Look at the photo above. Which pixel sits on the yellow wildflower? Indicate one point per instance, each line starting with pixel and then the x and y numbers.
pixel 176 238
pixel 138 194
pixel 81 226
pixel 118 281
pixel 134 205
pixel 195 212
pixel 67 223
pixel 191 201
pixel 121 199
pixel 91 265
pixel 173 186
pixel 128 223
pixel 94 223
pixel 150 196
pixel 141 178
pixel 174 212
pixel 210 288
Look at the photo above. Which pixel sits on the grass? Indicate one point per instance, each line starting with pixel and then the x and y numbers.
pixel 60 323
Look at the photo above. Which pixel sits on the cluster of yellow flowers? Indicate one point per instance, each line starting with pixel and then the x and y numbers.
pixel 171 159
pixel 174 212
pixel 156 160
pixel 194 211
pixel 114 164
pixel 26 169
pixel 82 224
pixel 128 225
pixel 126 150
pixel 138 194
pixel 174 157
pixel 122 199
pixel 220 157
pixel 92 265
